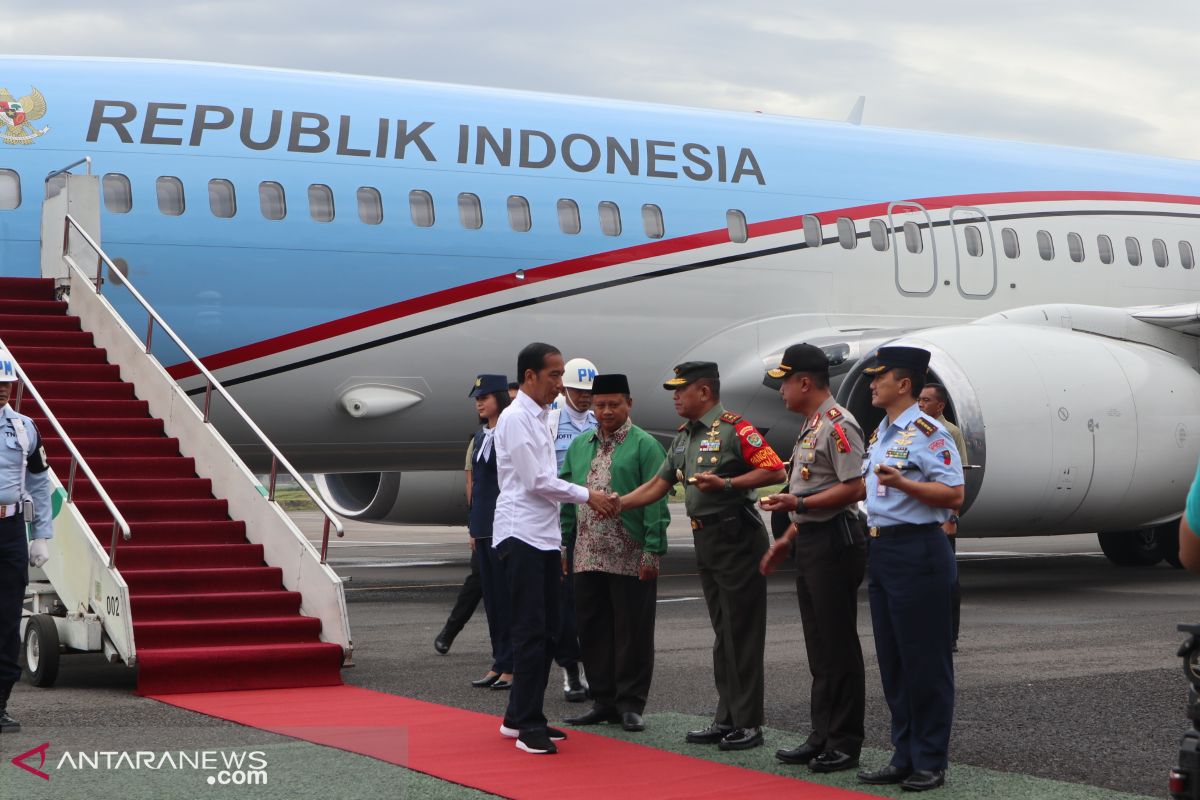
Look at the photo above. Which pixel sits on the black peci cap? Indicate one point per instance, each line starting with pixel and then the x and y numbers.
pixel 886 358
pixel 489 384
pixel 690 371
pixel 803 357
pixel 610 384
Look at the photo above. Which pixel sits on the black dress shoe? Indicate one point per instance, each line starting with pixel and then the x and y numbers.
pixel 501 685
pixel 923 780
pixel 443 641
pixel 8 724
pixel 632 721
pixel 833 761
pixel 594 717
pixel 486 681
pixel 885 776
pixel 710 735
pixel 741 739
pixel 798 755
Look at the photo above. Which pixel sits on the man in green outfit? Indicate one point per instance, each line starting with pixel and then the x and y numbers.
pixel 616 558
pixel 721 458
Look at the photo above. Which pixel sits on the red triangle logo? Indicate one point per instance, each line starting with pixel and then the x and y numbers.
pixel 40 750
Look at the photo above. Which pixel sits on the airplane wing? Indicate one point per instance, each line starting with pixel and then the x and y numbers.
pixel 1183 317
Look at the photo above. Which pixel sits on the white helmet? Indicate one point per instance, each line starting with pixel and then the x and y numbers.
pixel 8 368
pixel 578 374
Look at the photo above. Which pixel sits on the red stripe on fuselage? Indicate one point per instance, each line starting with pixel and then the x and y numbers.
pixel 626 255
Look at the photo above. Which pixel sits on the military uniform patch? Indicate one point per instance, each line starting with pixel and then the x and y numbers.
pixel 754 439
pixel 946 457
pixel 834 414
pixel 841 442
pixel 731 417
pixel 925 426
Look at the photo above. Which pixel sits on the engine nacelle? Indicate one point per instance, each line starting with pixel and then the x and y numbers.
pixel 1071 432
pixel 414 498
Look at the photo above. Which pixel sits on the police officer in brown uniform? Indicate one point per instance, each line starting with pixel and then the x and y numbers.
pixel 831 557
pixel 722 459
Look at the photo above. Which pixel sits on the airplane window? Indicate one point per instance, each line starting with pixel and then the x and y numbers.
pixel 1075 247
pixel 812 231
pixel 1160 252
pixel 1012 245
pixel 879 235
pixel 1186 257
pixel 735 221
pixel 10 189
pixel 1104 245
pixel 652 221
pixel 912 237
pixel 847 235
pixel 118 196
pixel 974 241
pixel 519 218
pixel 222 199
pixel 271 200
pixel 320 202
pixel 420 205
pixel 370 205
pixel 610 218
pixel 1133 248
pixel 1045 245
pixel 170 195
pixel 568 216
pixel 470 212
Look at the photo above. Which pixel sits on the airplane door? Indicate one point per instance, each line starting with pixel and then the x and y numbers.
pixel 974 252
pixel 914 248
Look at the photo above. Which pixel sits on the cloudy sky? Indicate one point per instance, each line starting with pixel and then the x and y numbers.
pixel 1095 73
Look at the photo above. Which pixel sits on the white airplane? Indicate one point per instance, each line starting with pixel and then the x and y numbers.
pixel 348 252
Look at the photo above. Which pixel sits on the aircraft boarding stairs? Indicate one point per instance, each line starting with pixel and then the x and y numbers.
pixel 206 584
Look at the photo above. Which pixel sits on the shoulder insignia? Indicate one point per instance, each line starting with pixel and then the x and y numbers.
pixel 834 414
pixel 731 417
pixel 842 443
pixel 925 426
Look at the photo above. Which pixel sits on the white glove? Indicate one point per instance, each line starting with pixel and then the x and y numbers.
pixel 39 552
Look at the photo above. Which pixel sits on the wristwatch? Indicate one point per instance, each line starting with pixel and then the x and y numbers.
pixel 953 519
pixel 729 484
pixel 800 509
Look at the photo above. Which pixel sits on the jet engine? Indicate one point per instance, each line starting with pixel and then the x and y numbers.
pixel 1066 431
pixel 413 498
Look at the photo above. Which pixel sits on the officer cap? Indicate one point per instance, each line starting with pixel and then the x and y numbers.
pixel 8 368
pixel 489 384
pixel 690 371
pixel 803 357
pixel 610 384
pixel 886 358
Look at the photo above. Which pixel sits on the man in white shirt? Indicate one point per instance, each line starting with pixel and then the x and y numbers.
pixel 526 534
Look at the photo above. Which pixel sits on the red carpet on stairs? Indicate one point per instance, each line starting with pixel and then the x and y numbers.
pixel 208 614
pixel 465 747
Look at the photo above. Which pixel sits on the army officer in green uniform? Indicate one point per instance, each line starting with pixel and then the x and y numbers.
pixel 722 459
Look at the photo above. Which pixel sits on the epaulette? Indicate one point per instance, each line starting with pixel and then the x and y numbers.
pixel 731 417
pixel 925 426
pixel 834 414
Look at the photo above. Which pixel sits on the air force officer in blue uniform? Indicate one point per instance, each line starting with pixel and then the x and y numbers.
pixel 24 475
pixel 914 478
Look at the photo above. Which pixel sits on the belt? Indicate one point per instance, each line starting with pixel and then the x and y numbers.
pixel 703 522
pixel 900 530
pixel 9 510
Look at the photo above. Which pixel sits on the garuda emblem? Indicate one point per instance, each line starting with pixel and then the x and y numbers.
pixel 18 115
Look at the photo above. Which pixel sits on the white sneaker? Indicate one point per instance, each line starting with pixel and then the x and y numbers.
pixel 510 733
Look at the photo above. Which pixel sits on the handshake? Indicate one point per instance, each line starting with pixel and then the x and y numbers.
pixel 606 504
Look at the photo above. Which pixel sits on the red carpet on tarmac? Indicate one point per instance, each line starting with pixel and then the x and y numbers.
pixel 465 747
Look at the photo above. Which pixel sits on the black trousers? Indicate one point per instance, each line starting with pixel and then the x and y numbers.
pixel 727 556
pixel 828 574
pixel 14 576
pixel 616 636
pixel 566 649
pixel 533 578
pixel 955 592
pixel 909 580
pixel 496 604
pixel 468 599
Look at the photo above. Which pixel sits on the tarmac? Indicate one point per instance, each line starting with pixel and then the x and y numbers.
pixel 1066 672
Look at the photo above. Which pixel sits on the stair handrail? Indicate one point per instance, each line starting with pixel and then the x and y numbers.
pixel 77 461
pixel 211 382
